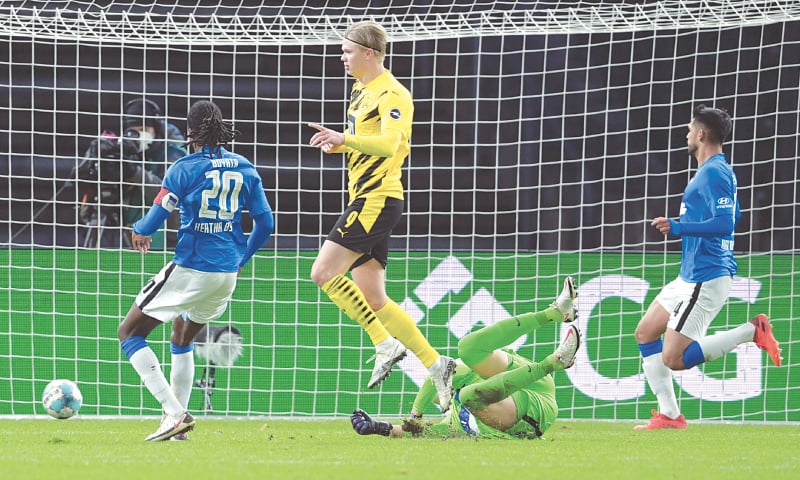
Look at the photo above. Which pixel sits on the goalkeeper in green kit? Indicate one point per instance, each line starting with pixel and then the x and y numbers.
pixel 500 394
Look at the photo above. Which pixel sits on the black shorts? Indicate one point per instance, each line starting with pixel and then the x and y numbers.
pixel 365 227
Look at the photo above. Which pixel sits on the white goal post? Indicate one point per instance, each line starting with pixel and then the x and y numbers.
pixel 546 137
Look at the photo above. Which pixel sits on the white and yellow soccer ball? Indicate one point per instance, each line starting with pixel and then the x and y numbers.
pixel 62 398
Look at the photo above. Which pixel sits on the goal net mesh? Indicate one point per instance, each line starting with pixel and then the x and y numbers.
pixel 546 137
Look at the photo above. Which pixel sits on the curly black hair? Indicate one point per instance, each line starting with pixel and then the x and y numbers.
pixel 206 126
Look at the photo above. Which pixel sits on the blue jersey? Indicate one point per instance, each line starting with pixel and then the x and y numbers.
pixel 711 193
pixel 211 190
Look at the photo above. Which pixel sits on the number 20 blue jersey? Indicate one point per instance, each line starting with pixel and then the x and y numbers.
pixel 211 190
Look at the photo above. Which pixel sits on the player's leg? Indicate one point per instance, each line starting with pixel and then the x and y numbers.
pixel 648 334
pixel 370 276
pixel 373 227
pixel 328 272
pixel 212 292
pixel 365 227
pixel 181 373
pixel 369 273
pixel 491 399
pixel 694 347
pixel 477 348
pixel 132 333
pixel 181 348
pixel 158 302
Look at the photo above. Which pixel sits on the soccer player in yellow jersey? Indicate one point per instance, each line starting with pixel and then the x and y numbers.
pixel 375 145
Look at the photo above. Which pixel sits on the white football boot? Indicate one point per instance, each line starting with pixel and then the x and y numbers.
pixel 171 426
pixel 565 303
pixel 565 353
pixel 442 377
pixel 387 353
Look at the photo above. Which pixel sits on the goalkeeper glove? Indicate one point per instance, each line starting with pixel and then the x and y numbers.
pixel 363 424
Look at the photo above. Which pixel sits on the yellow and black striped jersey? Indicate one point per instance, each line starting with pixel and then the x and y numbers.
pixel 378 137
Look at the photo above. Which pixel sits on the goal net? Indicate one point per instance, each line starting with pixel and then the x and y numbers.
pixel 546 137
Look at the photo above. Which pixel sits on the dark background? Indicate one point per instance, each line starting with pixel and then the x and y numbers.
pixel 520 142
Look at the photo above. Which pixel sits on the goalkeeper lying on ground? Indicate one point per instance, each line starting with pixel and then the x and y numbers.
pixel 500 394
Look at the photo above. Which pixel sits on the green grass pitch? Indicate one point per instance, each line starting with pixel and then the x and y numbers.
pixel 86 449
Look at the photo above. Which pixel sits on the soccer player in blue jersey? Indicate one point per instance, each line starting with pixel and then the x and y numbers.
pixel 500 394
pixel 211 187
pixel 685 307
pixel 375 145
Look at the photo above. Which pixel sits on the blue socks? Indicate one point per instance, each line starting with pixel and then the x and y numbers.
pixel 651 348
pixel 693 355
pixel 132 345
pixel 175 349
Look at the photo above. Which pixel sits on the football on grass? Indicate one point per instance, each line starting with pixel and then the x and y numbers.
pixel 62 398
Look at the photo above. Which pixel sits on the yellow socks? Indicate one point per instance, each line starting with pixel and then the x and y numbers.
pixel 389 320
pixel 350 299
pixel 401 326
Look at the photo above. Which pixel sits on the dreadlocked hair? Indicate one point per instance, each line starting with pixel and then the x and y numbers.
pixel 206 127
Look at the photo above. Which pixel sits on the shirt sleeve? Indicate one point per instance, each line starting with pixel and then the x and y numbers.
pixel 150 223
pixel 396 112
pixel 257 202
pixel 384 145
pixel 721 202
pixel 721 196
pixel 718 226
pixel 262 229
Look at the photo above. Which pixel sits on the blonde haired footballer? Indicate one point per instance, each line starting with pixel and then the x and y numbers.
pixel 375 145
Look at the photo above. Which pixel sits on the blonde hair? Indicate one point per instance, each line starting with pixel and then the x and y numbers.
pixel 367 34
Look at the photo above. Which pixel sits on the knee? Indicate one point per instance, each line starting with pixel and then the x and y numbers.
pixel 184 330
pixel 470 351
pixel 123 332
pixel 180 339
pixel 316 276
pixel 645 333
pixel 320 275
pixel 673 359
pixel 126 329
pixel 179 336
pixel 463 347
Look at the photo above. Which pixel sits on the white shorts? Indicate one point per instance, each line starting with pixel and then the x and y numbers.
pixel 204 296
pixel 693 306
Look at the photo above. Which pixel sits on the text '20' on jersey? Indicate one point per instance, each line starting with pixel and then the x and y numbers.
pixel 211 190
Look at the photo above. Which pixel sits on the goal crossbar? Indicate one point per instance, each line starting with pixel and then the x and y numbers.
pixel 165 25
